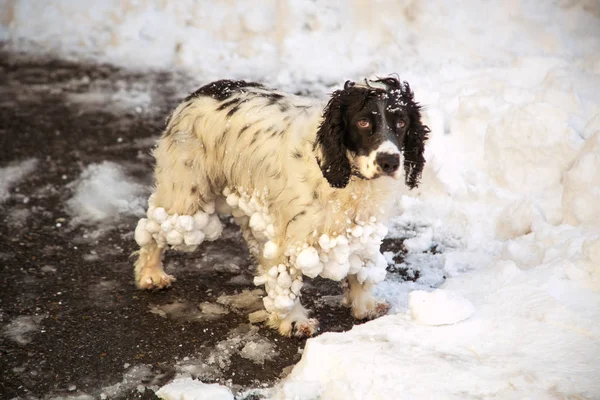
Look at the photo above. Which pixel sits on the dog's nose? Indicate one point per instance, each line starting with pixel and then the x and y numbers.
pixel 388 162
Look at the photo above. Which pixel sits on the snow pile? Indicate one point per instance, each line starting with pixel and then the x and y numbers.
pixel 439 307
pixel 533 331
pixel 190 389
pixel 103 193
pixel 580 201
pixel 12 174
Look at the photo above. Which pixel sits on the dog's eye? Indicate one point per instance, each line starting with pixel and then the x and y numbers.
pixel 363 123
pixel 400 124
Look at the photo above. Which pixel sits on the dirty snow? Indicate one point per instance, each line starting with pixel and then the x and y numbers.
pixel 22 328
pixel 506 218
pixel 104 193
pixel 210 363
pixel 12 174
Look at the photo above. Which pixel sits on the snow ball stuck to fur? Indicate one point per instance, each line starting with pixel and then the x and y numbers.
pixel 200 220
pixel 174 238
pixel 160 215
pixel 335 271
pixel 167 226
pixel 273 272
pixel 440 307
pixel 193 238
pixel 308 258
pixel 269 304
pixel 260 280
pixel 142 236
pixel 152 227
pixel 284 280
pixel 185 223
pixel 283 303
pixel 257 222
pixel 357 231
pixel 324 241
pixel 355 264
pixel 232 200
pixel 296 287
pixel 214 228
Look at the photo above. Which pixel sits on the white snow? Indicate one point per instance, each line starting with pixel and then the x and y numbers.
pixel 439 307
pixel 509 197
pixel 103 193
pixel 308 262
pixel 190 389
pixel 13 174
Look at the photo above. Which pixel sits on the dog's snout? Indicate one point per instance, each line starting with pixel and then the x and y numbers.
pixel 389 163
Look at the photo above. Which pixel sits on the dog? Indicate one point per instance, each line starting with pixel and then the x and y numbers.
pixel 311 185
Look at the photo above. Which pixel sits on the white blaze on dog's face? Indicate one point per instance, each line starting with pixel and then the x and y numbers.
pixel 375 136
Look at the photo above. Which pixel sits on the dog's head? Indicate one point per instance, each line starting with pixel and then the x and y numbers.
pixel 369 131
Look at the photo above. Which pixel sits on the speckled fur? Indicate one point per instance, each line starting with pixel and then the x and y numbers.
pixel 242 135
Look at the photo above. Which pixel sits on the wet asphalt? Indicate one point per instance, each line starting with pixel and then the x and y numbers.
pixel 73 324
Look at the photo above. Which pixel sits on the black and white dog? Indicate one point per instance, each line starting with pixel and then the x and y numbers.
pixel 309 184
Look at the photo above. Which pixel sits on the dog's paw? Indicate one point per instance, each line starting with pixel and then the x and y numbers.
pixel 380 310
pixel 376 310
pixel 306 328
pixel 159 280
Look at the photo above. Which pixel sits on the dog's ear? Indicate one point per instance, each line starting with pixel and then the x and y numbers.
pixel 334 161
pixel 413 147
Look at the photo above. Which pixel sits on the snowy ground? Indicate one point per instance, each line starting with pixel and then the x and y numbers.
pixel 506 223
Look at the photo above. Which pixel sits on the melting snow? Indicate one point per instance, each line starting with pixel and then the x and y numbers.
pixel 104 193
pixel 13 174
pixel 21 328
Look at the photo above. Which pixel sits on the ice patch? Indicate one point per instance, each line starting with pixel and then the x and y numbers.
pixel 13 174
pixel 131 379
pixel 103 193
pixel 188 311
pixel 212 362
pixel 258 351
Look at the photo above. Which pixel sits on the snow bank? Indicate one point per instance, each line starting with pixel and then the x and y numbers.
pixel 104 193
pixel 533 331
pixel 13 174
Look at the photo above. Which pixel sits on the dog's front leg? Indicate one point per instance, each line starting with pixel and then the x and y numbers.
pixel 283 284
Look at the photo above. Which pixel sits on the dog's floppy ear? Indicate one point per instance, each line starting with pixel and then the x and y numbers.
pixel 414 140
pixel 330 141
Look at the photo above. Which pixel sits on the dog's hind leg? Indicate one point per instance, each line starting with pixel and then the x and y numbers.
pixel 181 212
pixel 360 298
pixel 149 273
